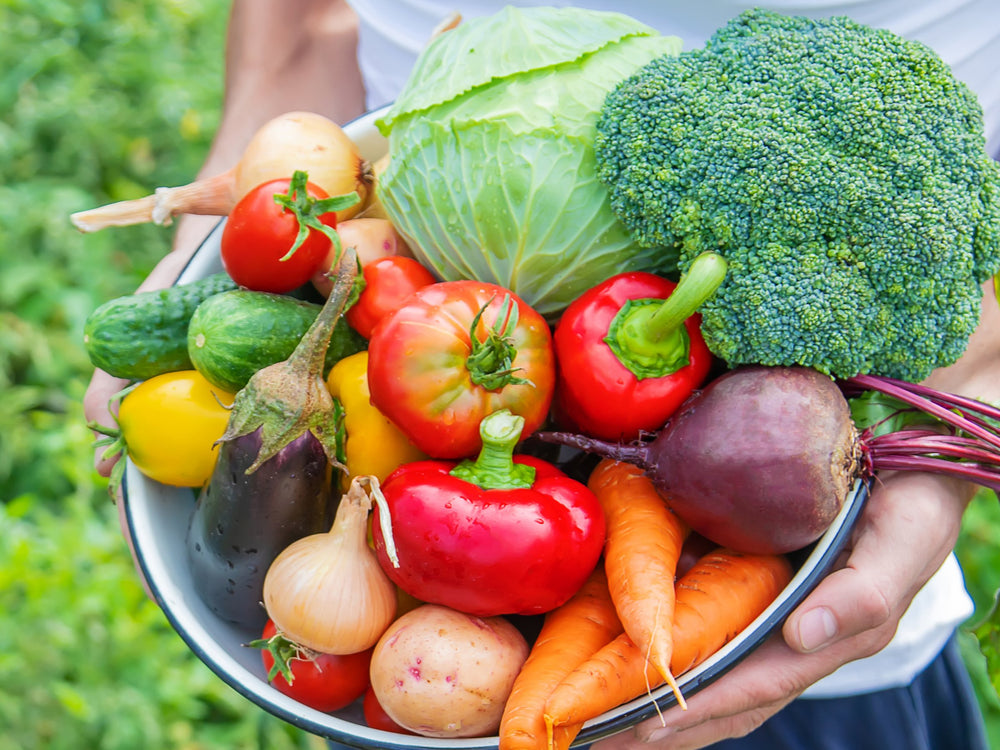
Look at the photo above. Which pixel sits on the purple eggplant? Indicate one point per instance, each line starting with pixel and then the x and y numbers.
pixel 242 521
pixel 272 481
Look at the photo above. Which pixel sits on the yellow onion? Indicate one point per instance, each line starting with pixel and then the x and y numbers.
pixel 327 591
pixel 294 141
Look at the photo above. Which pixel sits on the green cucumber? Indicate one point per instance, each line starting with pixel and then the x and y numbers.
pixel 144 334
pixel 234 334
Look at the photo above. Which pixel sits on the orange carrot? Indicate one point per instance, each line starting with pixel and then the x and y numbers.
pixel 615 674
pixel 722 594
pixel 644 541
pixel 570 634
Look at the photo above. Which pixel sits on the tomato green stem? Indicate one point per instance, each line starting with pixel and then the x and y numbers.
pixel 491 362
pixel 113 441
pixel 283 651
pixel 494 468
pixel 648 335
pixel 307 210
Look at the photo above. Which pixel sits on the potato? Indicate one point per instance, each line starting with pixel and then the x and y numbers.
pixel 442 673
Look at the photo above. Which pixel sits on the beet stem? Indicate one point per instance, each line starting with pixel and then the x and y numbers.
pixel 951 445
pixel 928 400
pixel 635 453
pixel 988 477
pixel 964 403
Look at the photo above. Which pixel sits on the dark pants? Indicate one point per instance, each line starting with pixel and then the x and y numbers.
pixel 937 712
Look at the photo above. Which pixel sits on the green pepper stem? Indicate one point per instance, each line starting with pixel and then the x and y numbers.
pixel 705 275
pixel 648 335
pixel 494 468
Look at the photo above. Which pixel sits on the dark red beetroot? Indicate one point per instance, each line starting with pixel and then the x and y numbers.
pixel 763 458
pixel 709 462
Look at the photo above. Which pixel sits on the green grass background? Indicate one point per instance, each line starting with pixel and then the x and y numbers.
pixel 102 101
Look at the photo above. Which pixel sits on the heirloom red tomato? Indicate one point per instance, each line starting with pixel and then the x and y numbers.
pixel 455 352
pixel 325 682
pixel 278 234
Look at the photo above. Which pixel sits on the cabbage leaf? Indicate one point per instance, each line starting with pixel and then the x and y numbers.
pixel 492 172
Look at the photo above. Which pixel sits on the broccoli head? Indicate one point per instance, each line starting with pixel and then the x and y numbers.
pixel 841 171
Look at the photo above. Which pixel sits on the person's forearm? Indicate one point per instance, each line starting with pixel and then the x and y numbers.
pixel 281 56
pixel 977 373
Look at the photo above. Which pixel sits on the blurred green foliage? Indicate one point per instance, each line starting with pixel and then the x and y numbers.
pixel 88 661
pixel 978 552
pixel 99 101
pixel 103 101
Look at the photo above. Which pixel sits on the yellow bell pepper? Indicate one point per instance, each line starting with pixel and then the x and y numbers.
pixel 374 446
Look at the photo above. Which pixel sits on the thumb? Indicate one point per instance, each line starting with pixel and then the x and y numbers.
pixel 845 604
pixel 907 529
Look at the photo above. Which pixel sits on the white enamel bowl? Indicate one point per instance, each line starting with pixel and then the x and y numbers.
pixel 158 516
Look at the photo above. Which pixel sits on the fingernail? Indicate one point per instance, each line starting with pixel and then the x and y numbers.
pixel 657 735
pixel 817 628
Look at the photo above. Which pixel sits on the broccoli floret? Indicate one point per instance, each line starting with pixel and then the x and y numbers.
pixel 841 171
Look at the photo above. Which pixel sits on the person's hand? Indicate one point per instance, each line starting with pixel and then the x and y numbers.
pixel 906 530
pixel 103 387
pixel 97 401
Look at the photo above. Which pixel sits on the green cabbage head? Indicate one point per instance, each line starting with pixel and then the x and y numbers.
pixel 492 173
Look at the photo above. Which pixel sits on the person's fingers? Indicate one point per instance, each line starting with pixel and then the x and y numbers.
pixel 733 706
pixel 746 696
pixel 97 410
pixel 907 529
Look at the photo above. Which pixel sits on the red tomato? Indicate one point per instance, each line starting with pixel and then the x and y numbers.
pixel 376 717
pixel 455 352
pixel 326 682
pixel 260 233
pixel 388 282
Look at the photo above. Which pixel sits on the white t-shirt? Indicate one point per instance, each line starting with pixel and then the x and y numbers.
pixel 966 33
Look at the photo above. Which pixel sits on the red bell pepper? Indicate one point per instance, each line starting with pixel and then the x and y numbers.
pixel 504 534
pixel 629 351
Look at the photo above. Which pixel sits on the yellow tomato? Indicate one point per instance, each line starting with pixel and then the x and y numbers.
pixel 169 424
